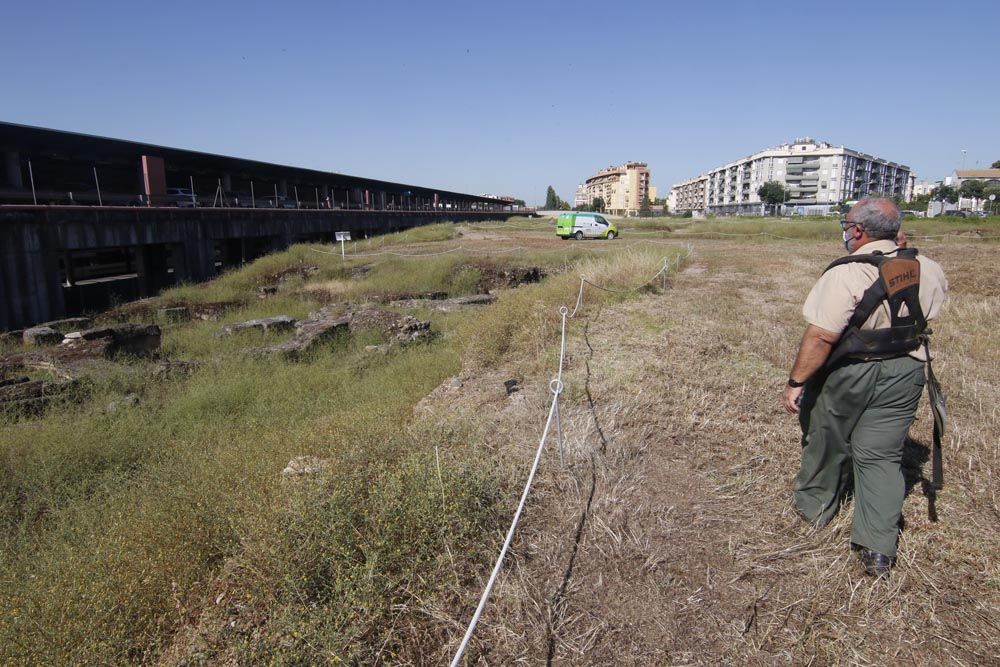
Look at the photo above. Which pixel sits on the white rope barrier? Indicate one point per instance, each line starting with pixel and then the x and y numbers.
pixel 496 251
pixel 389 252
pixel 957 237
pixel 688 232
pixel 742 235
pixel 556 387
pixel 579 297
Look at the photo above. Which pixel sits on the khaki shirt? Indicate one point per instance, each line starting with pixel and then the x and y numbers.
pixel 836 294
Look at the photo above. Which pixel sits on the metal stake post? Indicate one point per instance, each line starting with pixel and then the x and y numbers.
pixel 253 200
pixel 100 202
pixel 194 200
pixel 556 386
pixel 31 177
pixel 559 438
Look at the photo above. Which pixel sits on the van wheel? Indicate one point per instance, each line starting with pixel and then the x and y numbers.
pixel 611 236
pixel 578 236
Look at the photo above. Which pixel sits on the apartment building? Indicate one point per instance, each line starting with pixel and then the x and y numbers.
pixel 622 188
pixel 817 177
pixel 921 188
pixel 671 200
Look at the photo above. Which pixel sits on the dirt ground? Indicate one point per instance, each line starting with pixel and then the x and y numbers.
pixel 668 537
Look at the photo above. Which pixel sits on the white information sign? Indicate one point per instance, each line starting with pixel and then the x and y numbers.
pixel 343 236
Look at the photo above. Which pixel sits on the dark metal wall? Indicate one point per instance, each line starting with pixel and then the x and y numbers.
pixel 37 246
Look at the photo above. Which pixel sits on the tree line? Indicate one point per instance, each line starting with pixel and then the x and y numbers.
pixel 970 189
pixel 553 202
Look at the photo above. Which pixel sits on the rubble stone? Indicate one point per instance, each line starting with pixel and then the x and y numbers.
pixel 397 328
pixel 126 401
pixel 276 323
pixel 174 368
pixel 318 328
pixel 68 324
pixel 323 325
pixel 447 305
pixel 41 336
pixel 135 339
pixel 304 465
pixel 26 396
pixel 174 314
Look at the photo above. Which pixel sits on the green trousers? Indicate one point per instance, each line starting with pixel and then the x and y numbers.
pixel 854 421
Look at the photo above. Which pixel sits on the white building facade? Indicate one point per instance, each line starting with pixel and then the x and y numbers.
pixel 817 177
pixel 922 188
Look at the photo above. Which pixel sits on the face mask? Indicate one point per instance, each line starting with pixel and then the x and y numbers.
pixel 847 242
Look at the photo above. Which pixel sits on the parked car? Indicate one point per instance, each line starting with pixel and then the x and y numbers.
pixel 182 197
pixel 280 202
pixel 585 225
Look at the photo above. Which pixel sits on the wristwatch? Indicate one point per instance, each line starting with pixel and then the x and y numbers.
pixel 796 385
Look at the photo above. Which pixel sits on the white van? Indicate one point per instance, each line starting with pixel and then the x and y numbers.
pixel 585 225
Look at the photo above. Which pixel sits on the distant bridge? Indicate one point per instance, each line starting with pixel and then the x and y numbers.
pixel 86 220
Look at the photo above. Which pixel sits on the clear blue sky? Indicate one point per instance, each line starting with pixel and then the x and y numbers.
pixel 510 97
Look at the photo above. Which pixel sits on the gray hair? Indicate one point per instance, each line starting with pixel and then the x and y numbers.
pixel 879 217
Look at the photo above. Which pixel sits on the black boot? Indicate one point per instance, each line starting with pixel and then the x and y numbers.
pixel 875 564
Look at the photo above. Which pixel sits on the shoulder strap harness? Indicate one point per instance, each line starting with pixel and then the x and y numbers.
pixel 898 284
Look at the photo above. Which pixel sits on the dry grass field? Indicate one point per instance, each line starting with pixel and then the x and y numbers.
pixel 669 536
pixel 165 534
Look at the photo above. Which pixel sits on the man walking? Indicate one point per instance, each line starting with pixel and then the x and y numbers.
pixel 858 376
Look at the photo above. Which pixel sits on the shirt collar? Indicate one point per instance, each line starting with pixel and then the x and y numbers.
pixel 884 246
